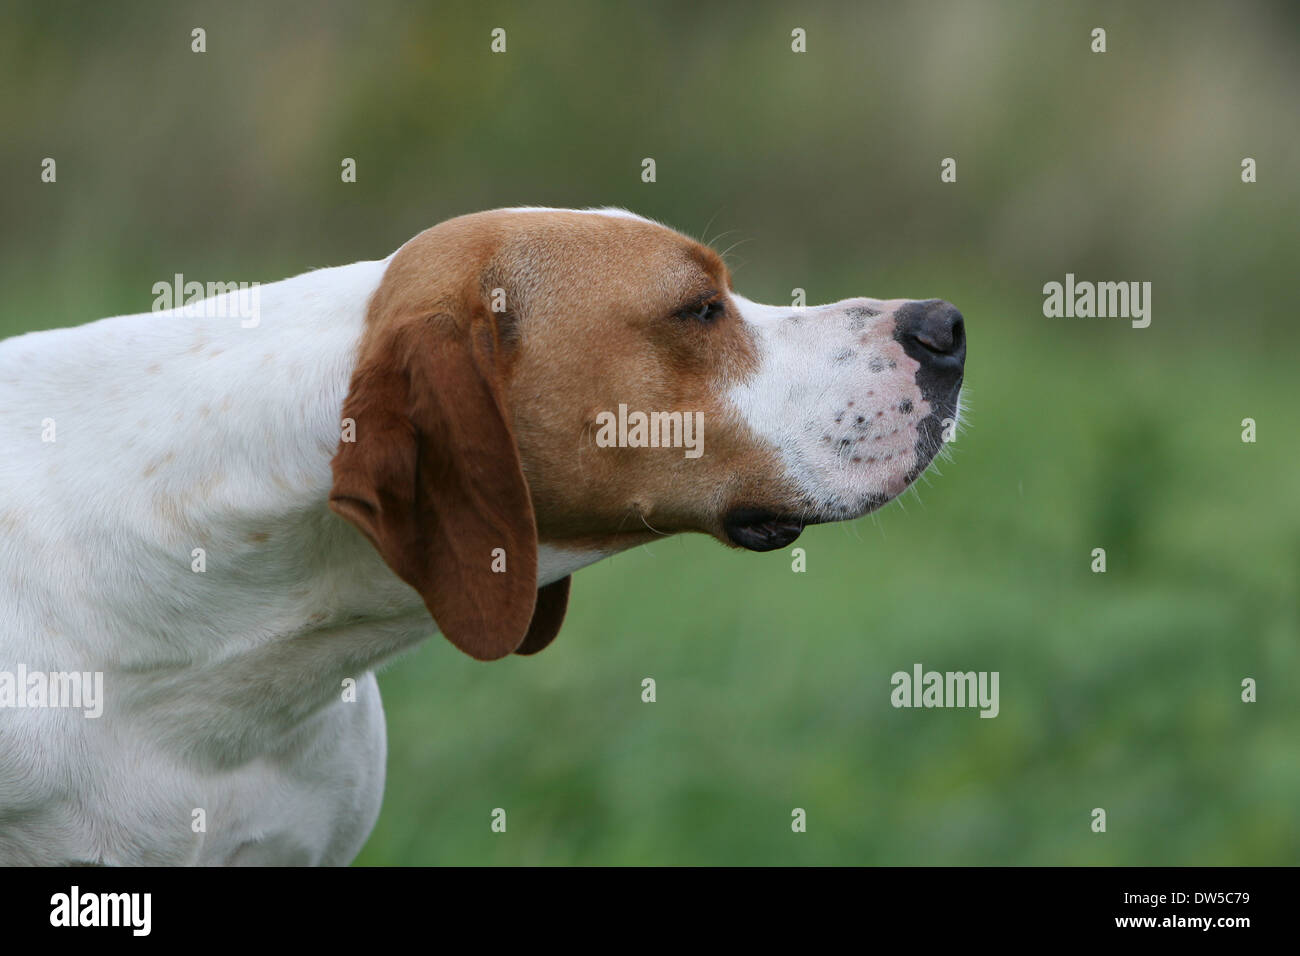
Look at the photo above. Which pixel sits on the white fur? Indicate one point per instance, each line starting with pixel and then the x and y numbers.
pixel 614 212
pixel 175 432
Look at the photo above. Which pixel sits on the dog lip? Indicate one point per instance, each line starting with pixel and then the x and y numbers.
pixel 759 529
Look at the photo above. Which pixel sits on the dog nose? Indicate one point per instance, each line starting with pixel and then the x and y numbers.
pixel 934 333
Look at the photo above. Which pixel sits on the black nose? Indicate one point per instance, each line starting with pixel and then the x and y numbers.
pixel 934 333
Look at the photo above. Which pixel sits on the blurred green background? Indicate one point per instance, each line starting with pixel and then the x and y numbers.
pixel 1118 690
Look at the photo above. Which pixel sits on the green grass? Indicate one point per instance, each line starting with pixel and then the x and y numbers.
pixel 1118 690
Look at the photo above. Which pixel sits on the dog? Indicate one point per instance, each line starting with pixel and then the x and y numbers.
pixel 219 528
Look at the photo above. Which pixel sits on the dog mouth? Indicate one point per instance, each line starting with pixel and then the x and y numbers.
pixel 757 529
pixel 762 529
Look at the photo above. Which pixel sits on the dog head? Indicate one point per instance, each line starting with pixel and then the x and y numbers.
pixel 588 381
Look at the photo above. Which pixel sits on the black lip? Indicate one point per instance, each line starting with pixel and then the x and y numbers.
pixel 758 529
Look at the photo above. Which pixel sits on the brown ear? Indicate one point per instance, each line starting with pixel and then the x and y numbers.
pixel 433 479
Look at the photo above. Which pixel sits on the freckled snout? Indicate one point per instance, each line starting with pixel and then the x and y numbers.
pixel 856 397
pixel 934 334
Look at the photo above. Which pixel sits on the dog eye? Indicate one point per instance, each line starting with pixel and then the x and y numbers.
pixel 706 311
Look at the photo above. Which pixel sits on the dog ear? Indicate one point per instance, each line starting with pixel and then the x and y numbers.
pixel 434 480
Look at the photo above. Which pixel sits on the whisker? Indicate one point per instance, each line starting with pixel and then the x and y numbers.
pixel 707 225
pixel 641 515
pixel 738 242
